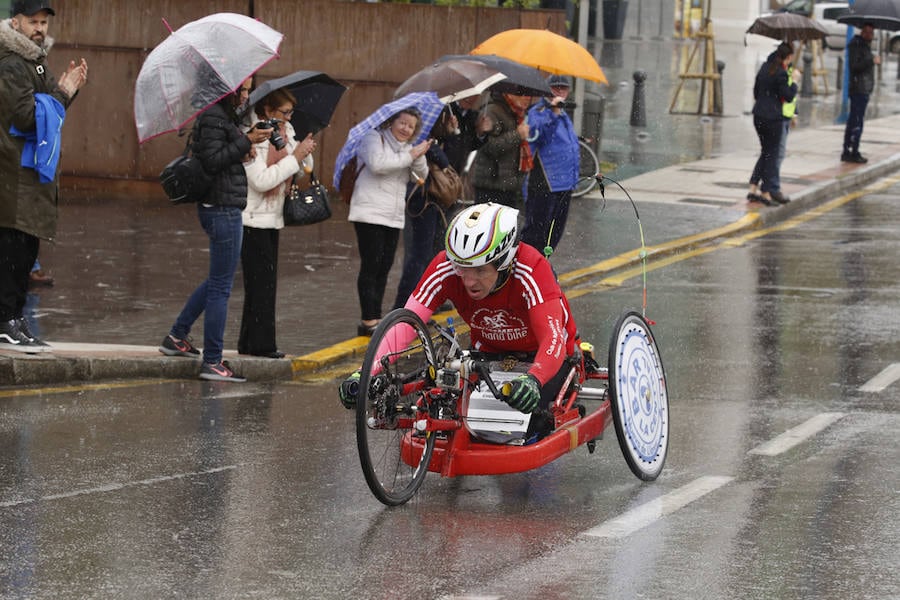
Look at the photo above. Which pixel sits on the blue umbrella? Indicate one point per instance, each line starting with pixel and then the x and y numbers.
pixel 427 103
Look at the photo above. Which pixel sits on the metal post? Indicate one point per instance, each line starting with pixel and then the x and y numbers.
pixel 583 12
pixel 840 72
pixel 638 109
pixel 806 91
pixel 718 95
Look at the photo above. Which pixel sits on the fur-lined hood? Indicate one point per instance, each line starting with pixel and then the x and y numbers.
pixel 13 41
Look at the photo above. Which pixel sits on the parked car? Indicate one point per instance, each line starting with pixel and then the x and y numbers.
pixel 825 13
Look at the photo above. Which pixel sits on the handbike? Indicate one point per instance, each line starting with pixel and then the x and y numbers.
pixel 427 406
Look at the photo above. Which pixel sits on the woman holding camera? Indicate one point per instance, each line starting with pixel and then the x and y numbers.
pixel 278 160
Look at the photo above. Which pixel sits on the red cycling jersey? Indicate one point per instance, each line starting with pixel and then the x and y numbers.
pixel 529 313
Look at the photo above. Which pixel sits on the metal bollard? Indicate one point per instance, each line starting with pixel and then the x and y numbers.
pixel 840 73
pixel 638 104
pixel 806 89
pixel 718 98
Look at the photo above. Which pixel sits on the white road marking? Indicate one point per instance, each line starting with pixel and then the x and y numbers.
pixel 644 515
pixel 888 376
pixel 796 435
pixel 111 487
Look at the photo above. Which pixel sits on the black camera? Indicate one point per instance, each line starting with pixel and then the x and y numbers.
pixel 275 139
pixel 566 105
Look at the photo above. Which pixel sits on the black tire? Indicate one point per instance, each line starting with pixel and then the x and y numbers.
pixel 381 403
pixel 588 167
pixel 640 400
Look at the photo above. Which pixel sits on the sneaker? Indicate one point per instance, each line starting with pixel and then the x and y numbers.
pixel 22 322
pixel 219 372
pixel 172 346
pixel 12 338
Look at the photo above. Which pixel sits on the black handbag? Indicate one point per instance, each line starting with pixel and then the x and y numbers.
pixel 184 179
pixel 308 206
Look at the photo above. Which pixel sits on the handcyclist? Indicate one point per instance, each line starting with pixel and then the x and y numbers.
pixel 506 292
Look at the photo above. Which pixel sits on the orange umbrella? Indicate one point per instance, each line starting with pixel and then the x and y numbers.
pixel 543 50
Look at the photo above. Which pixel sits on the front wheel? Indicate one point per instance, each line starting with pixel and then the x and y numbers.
pixel 396 369
pixel 640 400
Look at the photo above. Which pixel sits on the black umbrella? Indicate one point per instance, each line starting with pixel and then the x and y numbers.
pixel 882 14
pixel 788 27
pixel 317 96
pixel 520 79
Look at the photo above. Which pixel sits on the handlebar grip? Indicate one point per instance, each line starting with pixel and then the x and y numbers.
pixel 506 389
pixel 485 373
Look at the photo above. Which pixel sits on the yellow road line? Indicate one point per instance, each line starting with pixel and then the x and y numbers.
pixel 309 367
pixel 82 387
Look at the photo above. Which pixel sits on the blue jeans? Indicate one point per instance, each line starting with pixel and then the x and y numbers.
pixel 854 128
pixel 782 152
pixel 423 221
pixel 225 229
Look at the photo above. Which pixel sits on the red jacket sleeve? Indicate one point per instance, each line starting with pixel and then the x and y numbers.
pixel 547 321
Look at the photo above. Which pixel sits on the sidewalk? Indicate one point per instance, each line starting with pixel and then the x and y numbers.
pixel 701 201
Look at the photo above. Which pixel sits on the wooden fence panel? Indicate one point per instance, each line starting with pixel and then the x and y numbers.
pixel 370 47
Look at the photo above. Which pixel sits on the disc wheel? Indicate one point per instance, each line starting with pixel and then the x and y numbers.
pixel 397 367
pixel 640 400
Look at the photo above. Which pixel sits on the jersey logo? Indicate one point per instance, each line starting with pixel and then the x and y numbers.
pixel 498 325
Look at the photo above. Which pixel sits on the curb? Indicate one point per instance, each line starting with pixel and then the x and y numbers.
pixel 95 362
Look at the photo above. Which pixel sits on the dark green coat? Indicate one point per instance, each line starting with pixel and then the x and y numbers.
pixel 497 162
pixel 25 203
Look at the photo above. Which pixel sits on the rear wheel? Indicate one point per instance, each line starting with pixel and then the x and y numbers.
pixel 395 370
pixel 588 168
pixel 640 400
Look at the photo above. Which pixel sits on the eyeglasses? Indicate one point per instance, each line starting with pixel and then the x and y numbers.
pixel 286 113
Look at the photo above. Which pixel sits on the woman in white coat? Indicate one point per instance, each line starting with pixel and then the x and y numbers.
pixel 378 205
pixel 269 174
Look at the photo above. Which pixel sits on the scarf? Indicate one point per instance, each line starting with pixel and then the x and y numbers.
pixel 526 159
pixel 273 156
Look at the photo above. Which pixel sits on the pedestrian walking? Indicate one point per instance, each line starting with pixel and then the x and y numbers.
pixel 771 89
pixel 222 148
pixel 32 110
pixel 554 145
pixel 861 64
pixel 269 174
pixel 789 121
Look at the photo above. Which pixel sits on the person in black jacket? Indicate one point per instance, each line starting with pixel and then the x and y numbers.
pixel 861 64
pixel 771 89
pixel 222 148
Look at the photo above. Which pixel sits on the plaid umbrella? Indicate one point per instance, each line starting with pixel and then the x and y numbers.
pixel 428 104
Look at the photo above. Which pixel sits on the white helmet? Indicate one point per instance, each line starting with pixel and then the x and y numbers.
pixel 483 234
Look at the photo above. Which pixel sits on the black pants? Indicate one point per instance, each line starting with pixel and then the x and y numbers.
pixel 423 223
pixel 545 213
pixel 508 198
pixel 766 169
pixel 377 246
pixel 541 421
pixel 259 262
pixel 18 251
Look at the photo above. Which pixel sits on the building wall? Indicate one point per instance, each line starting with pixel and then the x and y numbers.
pixel 371 48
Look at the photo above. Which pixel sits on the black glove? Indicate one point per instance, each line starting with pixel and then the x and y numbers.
pixel 524 393
pixel 349 390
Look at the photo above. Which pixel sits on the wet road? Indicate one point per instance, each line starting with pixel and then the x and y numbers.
pixel 781 479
